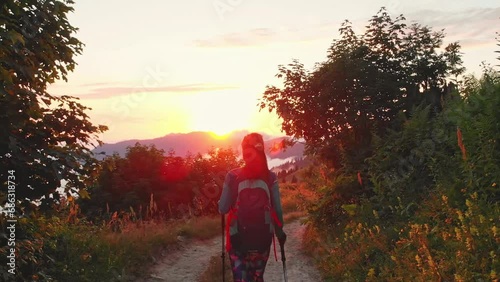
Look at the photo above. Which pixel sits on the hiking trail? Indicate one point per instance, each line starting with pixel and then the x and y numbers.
pixel 187 264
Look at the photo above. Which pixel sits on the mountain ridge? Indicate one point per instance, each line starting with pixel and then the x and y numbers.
pixel 201 142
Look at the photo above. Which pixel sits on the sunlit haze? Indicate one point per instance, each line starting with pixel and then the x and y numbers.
pixel 150 68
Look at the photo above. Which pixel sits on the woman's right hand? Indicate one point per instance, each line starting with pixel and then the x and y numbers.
pixel 281 236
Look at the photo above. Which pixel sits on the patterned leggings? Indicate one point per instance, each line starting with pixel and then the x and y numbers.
pixel 248 267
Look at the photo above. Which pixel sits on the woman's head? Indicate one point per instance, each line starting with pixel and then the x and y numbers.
pixel 254 155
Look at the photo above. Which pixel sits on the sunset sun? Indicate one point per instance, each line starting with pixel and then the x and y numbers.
pixel 208 113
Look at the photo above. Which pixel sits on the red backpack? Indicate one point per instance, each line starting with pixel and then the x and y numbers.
pixel 252 220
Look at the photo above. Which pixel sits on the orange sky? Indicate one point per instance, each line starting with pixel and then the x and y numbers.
pixel 162 67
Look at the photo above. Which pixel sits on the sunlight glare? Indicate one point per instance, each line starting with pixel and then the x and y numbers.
pixel 220 113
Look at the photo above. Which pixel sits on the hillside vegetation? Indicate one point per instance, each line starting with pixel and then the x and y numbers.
pixel 409 156
pixel 432 212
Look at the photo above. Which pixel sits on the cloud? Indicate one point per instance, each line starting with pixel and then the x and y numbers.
pixel 263 36
pixel 94 84
pixel 109 92
pixel 252 37
pixel 472 27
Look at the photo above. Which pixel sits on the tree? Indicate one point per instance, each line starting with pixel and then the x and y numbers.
pixel 44 138
pixel 498 44
pixel 177 184
pixel 362 88
pixel 207 176
pixel 129 181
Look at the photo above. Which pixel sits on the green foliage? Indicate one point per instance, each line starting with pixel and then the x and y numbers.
pixel 446 243
pixel 163 185
pixel 328 210
pixel 441 242
pixel 50 248
pixel 60 249
pixel 425 203
pixel 434 212
pixel 478 120
pixel 362 87
pixel 402 167
pixel 44 138
pixel 126 182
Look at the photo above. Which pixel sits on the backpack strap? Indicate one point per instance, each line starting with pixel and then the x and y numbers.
pixel 231 216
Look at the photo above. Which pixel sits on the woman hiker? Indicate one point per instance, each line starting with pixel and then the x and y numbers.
pixel 251 198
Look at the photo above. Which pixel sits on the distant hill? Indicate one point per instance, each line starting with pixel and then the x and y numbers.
pixel 201 142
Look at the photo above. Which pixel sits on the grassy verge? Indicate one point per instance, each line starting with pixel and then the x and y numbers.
pixel 200 227
pixel 294 196
pixel 440 243
pixel 51 249
pixel 142 243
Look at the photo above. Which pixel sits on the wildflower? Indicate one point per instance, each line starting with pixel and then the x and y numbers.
pixel 461 144
pixel 458 234
pixel 460 216
pixel 468 203
pixel 419 260
pixel 445 199
pixel 371 273
pixel 482 219
pixel 493 275
pixel 86 257
pixel 474 231
pixel 494 229
pixel 468 243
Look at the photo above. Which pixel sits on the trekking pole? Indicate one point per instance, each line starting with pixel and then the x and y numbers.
pixel 223 221
pixel 283 259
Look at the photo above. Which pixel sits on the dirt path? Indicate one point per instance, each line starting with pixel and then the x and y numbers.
pixel 299 266
pixel 187 264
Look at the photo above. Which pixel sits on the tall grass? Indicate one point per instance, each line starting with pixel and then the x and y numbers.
pixel 435 220
pixel 69 247
pixel 294 197
pixel 200 227
pixel 442 243
pixel 54 249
